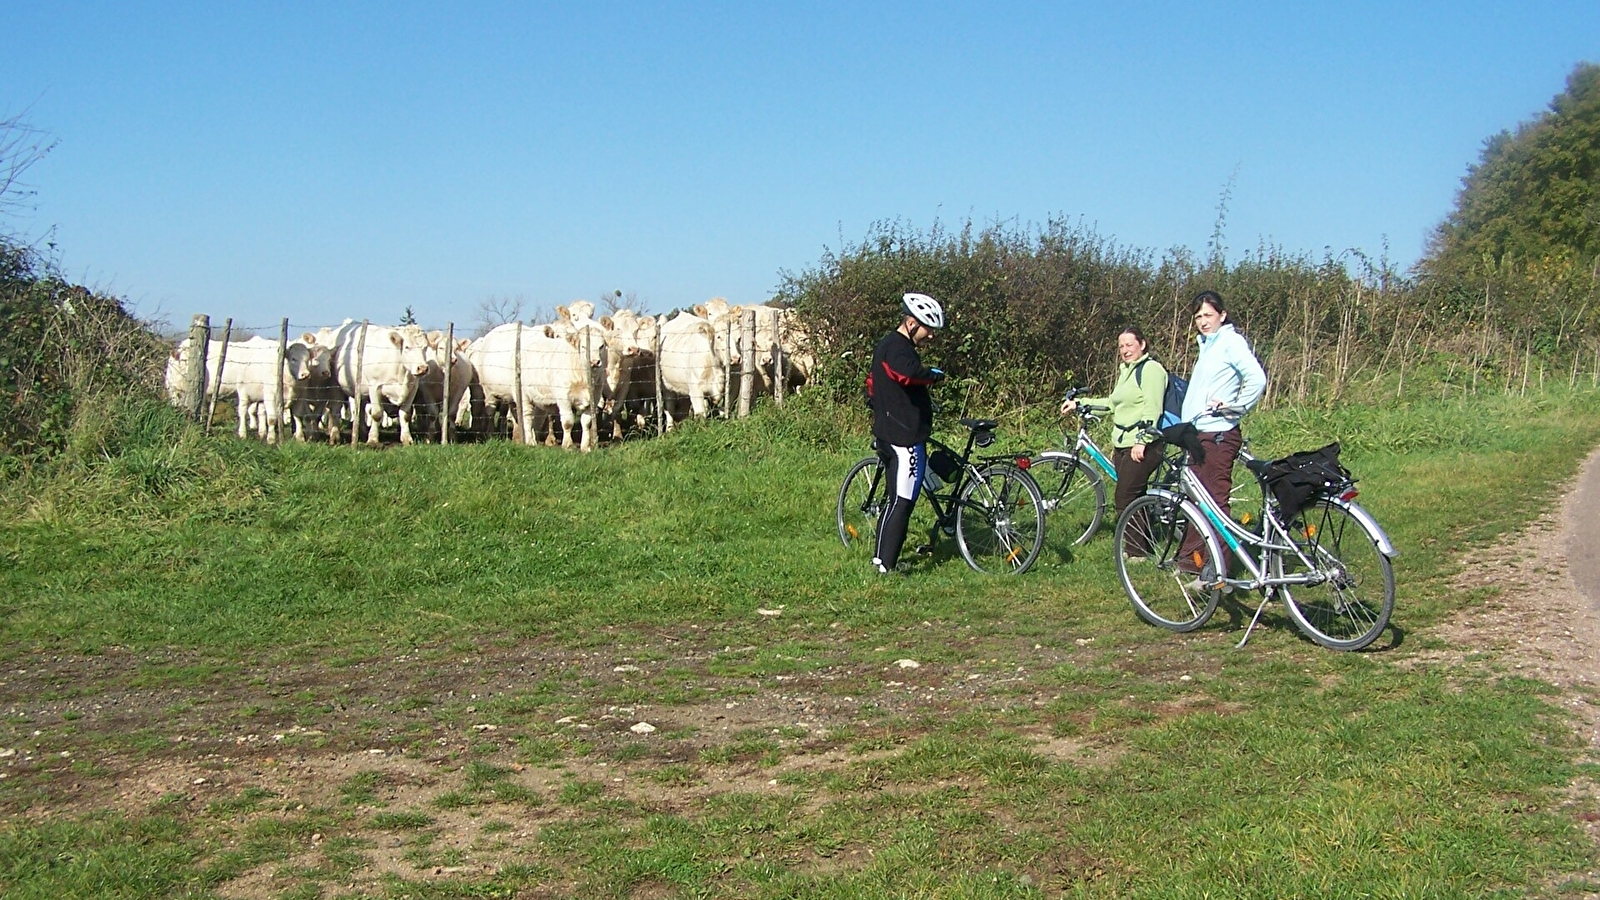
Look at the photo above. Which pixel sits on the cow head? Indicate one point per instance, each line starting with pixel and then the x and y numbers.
pixel 414 350
pixel 621 342
pixel 297 359
pixel 320 361
pixel 726 342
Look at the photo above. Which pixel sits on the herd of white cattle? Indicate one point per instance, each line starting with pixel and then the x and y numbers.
pixel 572 371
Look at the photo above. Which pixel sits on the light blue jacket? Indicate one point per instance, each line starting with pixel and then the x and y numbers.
pixel 1225 373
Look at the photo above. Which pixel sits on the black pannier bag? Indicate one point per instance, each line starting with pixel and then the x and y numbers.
pixel 944 464
pixel 1297 480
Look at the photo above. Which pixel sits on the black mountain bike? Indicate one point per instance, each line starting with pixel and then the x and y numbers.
pixel 989 504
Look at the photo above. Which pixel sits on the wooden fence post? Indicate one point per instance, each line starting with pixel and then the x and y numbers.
pixel 594 395
pixel 279 395
pixel 216 379
pixel 727 372
pixel 747 368
pixel 518 432
pixel 445 424
pixel 194 377
pixel 661 406
pixel 780 377
pixel 360 398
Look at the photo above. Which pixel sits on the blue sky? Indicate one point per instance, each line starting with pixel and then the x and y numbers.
pixel 324 160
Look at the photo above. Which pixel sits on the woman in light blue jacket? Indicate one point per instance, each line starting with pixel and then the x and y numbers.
pixel 1227 382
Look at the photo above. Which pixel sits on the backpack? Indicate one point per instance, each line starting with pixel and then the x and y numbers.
pixel 1171 401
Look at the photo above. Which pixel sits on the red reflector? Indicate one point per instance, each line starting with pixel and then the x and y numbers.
pixel 1023 462
pixel 1349 495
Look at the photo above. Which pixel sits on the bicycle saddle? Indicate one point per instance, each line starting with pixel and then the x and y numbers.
pixel 980 424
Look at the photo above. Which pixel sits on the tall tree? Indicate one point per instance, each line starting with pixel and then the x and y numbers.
pixel 1533 198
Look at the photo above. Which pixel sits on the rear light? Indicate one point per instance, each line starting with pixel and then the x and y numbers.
pixel 1349 494
pixel 1024 463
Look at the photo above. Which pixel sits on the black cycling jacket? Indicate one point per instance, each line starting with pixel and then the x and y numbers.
pixel 897 388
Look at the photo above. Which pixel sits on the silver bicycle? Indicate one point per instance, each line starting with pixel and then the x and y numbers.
pixel 1330 562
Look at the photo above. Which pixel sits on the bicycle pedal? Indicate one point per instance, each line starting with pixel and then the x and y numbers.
pixel 924 549
pixel 949 530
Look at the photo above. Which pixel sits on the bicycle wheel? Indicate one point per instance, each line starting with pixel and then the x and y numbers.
pixel 1352 607
pixel 861 499
pixel 1246 500
pixel 1148 538
pixel 1074 493
pixel 1000 520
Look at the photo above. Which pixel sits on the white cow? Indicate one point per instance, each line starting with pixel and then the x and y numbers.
pixel 799 349
pixel 560 370
pixel 247 376
pixel 430 392
pixel 692 363
pixel 555 374
pixel 621 346
pixel 636 382
pixel 387 367
pixel 622 350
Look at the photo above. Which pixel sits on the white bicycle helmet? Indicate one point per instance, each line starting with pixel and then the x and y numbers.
pixel 924 309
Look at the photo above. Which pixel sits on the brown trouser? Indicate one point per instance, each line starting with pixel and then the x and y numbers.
pixel 1216 474
pixel 1132 478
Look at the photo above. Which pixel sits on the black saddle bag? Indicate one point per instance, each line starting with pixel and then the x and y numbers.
pixel 1300 479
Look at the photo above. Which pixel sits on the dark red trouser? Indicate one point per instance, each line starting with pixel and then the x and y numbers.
pixel 1216 473
pixel 1132 478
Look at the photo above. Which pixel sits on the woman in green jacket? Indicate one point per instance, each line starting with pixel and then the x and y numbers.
pixel 1135 405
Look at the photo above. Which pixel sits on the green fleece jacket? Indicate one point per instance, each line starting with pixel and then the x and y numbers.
pixel 1135 401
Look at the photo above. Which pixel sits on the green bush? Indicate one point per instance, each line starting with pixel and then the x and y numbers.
pixel 59 344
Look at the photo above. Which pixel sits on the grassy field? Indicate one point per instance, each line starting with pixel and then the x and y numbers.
pixel 231 670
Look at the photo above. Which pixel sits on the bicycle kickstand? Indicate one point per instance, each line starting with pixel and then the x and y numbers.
pixel 1266 597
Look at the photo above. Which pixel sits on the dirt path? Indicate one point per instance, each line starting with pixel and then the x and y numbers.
pixel 1544 620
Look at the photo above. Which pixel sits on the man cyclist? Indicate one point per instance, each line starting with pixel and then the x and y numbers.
pixel 902 416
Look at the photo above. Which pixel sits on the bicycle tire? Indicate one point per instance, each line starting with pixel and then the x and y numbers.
pixel 1000 520
pixel 861 500
pixel 1352 608
pixel 1074 493
pixel 1148 537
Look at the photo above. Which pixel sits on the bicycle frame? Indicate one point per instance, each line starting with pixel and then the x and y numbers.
pixel 1087 444
pixel 947 498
